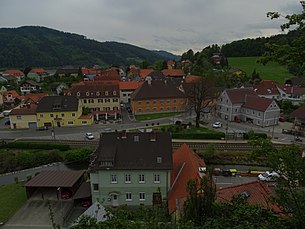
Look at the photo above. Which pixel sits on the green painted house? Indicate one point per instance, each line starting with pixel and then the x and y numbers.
pixel 131 168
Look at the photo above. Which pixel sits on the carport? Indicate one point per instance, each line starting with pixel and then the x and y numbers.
pixel 51 184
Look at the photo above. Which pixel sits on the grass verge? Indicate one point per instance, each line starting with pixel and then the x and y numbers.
pixel 154 116
pixel 12 197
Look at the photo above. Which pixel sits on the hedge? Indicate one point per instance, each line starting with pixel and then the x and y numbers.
pixel 254 136
pixel 31 145
pixel 208 135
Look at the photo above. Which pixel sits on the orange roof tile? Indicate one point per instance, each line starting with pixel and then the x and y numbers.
pixel 192 79
pixel 14 72
pixel 173 72
pixel 130 85
pixel 34 97
pixel 12 92
pixel 259 193
pixel 29 109
pixel 38 71
pixel 185 167
pixel 145 72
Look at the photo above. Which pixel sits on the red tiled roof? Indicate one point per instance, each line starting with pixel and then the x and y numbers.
pixel 14 72
pixel 90 71
pixel 257 103
pixel 29 109
pixel 192 79
pixel 267 87
pixel 259 193
pixel 299 113
pixel 145 72
pixel 185 167
pixel 173 72
pixel 34 97
pixel 107 78
pixel 237 95
pixel 130 85
pixel 13 92
pixel 38 71
pixel 292 90
pixel 94 89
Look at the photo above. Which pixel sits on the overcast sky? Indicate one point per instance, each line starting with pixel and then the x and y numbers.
pixel 172 25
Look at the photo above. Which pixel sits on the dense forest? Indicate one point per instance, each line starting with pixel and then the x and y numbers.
pixel 41 46
pixel 257 46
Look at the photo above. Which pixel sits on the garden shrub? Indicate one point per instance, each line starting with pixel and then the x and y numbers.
pixel 78 155
pixel 31 145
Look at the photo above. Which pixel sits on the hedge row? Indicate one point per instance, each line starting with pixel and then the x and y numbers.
pixel 254 135
pixel 30 145
pixel 208 135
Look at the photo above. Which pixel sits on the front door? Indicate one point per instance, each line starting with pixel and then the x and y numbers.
pixel 115 200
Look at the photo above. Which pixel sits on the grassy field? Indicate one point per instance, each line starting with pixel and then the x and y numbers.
pixel 12 197
pixel 271 71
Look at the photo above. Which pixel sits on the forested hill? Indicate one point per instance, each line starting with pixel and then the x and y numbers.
pixel 41 46
pixel 255 47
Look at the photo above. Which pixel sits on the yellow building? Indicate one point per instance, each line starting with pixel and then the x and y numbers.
pixel 61 111
pixel 102 98
pixel 23 117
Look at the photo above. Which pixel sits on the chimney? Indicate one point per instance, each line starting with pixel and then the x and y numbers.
pixel 153 136
pixel 165 82
pixel 148 79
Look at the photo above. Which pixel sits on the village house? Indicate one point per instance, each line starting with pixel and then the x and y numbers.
pixel 29 86
pixel 10 99
pixel 24 117
pixel 61 111
pixel 175 73
pixel 131 168
pixel 101 97
pixel 8 79
pixel 243 104
pixel 19 75
pixel 37 74
pixel 299 121
pixel 157 96
pixel 58 88
pixel 126 89
pixel 186 166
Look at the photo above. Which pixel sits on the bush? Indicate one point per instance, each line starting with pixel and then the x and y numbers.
pixel 78 155
pixel 207 135
pixel 31 145
pixel 252 135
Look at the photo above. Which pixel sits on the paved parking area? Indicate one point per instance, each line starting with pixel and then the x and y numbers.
pixel 36 214
pixel 223 182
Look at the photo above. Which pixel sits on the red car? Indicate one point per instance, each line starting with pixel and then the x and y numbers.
pixel 86 203
pixel 65 195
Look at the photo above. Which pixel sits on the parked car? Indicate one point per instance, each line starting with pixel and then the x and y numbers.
pixel 268 176
pixel 298 139
pixel 7 123
pixel 282 119
pixel 42 128
pixel 86 203
pixel 217 125
pixel 65 195
pixel 89 136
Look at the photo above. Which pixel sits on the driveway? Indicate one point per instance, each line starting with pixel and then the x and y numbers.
pixel 35 214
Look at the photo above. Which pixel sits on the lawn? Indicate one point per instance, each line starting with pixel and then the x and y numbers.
pixel 271 71
pixel 154 116
pixel 12 197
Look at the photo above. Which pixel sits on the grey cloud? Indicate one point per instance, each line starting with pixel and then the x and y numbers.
pixel 173 25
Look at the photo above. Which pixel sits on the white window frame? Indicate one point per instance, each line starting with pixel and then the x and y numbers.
pixel 157 178
pixel 142 196
pixel 127 178
pixel 113 179
pixel 128 196
pixel 141 178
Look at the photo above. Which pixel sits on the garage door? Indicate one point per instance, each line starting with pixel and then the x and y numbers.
pixel 32 125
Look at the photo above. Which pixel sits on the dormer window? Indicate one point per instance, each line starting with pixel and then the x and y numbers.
pixel 159 160
pixel 114 92
pixel 106 92
pixel 97 93
pixel 87 93
pixel 78 93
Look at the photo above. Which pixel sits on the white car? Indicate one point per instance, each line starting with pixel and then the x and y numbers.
pixel 217 125
pixel 89 136
pixel 268 176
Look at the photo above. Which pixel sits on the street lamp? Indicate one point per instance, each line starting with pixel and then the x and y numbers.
pixel 53 130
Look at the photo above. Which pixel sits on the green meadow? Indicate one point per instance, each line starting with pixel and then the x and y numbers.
pixel 271 71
